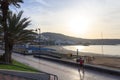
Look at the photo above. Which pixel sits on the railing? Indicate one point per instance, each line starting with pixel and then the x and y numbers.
pixel 53 77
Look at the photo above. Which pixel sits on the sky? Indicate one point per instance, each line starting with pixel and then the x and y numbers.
pixel 79 18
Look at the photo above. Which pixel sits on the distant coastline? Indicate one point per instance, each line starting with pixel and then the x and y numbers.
pixel 61 39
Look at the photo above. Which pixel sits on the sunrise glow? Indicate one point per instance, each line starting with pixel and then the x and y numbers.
pixel 79 24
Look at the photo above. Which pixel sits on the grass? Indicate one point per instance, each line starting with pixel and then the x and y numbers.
pixel 17 66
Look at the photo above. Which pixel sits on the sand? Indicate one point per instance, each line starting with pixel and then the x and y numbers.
pixel 112 62
pixel 102 60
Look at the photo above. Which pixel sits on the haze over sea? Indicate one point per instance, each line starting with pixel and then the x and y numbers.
pixel 112 50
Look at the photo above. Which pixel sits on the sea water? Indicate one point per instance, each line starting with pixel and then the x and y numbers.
pixel 113 50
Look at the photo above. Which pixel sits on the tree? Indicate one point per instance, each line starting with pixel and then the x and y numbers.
pixel 4 6
pixel 17 31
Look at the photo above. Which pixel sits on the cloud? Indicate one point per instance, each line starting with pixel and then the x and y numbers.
pixel 56 13
pixel 43 2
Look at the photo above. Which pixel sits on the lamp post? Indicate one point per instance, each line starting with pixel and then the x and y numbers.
pixel 39 37
pixel 77 53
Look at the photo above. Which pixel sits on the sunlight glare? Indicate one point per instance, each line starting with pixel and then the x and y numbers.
pixel 80 48
pixel 79 24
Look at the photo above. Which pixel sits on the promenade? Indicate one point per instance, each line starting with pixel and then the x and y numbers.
pixel 24 75
pixel 63 72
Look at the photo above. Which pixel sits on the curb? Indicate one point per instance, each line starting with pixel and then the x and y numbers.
pixel 88 66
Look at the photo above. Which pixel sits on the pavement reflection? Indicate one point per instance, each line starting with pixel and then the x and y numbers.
pixel 62 71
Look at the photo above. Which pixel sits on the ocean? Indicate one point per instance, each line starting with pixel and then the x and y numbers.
pixel 112 50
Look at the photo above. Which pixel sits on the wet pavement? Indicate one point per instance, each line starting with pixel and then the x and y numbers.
pixel 62 71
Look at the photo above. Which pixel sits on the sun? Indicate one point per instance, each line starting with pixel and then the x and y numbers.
pixel 79 25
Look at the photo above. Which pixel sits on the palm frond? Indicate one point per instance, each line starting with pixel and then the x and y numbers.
pixel 17 28
pixel 16 3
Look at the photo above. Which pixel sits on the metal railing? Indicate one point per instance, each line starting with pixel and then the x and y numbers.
pixel 51 76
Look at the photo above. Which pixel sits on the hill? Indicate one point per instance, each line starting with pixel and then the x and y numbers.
pixel 64 39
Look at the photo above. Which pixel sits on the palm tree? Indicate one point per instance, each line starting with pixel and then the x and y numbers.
pixel 17 31
pixel 4 6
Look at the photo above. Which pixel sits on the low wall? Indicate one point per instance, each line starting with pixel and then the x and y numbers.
pixel 87 66
pixel 26 75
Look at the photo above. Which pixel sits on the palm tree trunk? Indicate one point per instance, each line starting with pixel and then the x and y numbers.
pixel 5 8
pixel 10 51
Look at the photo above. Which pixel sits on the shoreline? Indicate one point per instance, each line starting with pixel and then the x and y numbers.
pixel 66 51
pixel 102 60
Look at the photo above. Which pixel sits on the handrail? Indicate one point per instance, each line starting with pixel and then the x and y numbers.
pixel 51 76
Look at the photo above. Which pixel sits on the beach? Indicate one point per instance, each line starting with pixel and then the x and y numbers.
pixel 97 59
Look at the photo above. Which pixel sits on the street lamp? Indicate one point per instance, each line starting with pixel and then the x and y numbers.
pixel 39 36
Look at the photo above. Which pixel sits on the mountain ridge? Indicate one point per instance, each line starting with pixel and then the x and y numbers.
pixel 75 40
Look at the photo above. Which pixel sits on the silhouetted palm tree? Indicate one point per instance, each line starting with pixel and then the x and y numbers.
pixel 4 6
pixel 16 30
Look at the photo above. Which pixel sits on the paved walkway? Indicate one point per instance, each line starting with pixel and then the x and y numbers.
pixel 88 66
pixel 16 75
pixel 63 72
